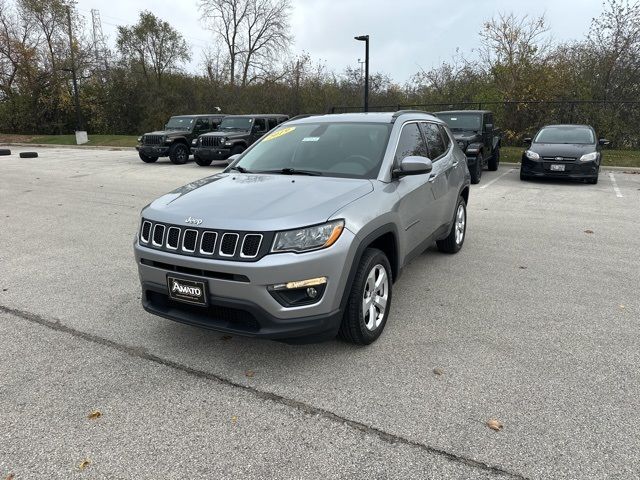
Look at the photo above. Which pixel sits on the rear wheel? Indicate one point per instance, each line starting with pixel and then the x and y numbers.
pixel 147 158
pixel 454 241
pixel 494 161
pixel 179 153
pixel 203 162
pixel 476 175
pixel 369 300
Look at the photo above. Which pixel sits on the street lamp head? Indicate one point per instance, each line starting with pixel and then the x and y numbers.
pixel 362 38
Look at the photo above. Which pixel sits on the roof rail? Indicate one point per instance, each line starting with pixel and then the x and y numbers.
pixel 402 112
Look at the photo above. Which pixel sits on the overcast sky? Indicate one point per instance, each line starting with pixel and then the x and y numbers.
pixel 406 35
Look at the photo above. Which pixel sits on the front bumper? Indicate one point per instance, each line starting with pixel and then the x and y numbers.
pixel 153 150
pixel 243 305
pixel 573 170
pixel 213 153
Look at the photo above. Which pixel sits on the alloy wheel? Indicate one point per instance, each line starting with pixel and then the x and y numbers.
pixel 375 296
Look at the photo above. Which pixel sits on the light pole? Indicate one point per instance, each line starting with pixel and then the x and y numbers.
pixel 365 38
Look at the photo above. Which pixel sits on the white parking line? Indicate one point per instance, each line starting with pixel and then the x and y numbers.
pixel 615 185
pixel 496 179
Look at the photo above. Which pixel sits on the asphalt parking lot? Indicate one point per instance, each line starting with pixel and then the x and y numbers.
pixel 535 323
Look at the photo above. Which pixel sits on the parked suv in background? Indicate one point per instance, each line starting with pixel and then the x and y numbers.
pixel 563 151
pixel 305 233
pixel 477 136
pixel 236 134
pixel 175 140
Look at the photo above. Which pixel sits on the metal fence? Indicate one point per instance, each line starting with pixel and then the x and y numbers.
pixel 619 121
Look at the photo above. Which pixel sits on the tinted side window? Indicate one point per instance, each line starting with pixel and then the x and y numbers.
pixel 410 143
pixel 260 124
pixel 434 140
pixel 272 123
pixel 445 136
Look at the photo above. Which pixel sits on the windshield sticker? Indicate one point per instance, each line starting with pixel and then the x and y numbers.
pixel 278 134
pixel 311 139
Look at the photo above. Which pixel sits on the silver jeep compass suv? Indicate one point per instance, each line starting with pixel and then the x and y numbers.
pixel 303 235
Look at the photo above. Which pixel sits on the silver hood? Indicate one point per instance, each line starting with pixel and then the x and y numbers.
pixel 257 202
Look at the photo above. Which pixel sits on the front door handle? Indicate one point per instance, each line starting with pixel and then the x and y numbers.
pixel 432 178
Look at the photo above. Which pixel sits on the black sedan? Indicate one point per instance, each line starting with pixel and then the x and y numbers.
pixel 563 151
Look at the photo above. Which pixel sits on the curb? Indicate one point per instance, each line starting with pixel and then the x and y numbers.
pixel 81 147
pixel 603 167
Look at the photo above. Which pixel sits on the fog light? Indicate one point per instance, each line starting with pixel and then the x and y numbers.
pixel 312 292
pixel 299 293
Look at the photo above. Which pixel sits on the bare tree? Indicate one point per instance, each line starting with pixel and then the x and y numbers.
pixel 154 43
pixel 254 32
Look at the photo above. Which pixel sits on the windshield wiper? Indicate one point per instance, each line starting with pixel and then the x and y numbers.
pixel 240 169
pixel 293 171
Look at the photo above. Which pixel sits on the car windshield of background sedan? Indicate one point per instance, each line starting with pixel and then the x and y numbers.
pixel 352 150
pixel 575 135
pixel 179 123
pixel 236 124
pixel 462 121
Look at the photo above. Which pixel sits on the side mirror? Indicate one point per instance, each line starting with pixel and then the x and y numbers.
pixel 488 126
pixel 604 142
pixel 413 165
pixel 527 141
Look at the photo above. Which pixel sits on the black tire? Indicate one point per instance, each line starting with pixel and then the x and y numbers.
pixel 203 162
pixel 593 181
pixel 494 161
pixel 524 177
pixel 28 154
pixel 237 150
pixel 5 151
pixel 147 158
pixel 179 153
pixel 353 328
pixel 453 243
pixel 476 175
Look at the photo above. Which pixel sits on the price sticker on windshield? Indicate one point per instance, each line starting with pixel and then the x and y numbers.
pixel 278 134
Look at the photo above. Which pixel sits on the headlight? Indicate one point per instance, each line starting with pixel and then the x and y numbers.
pixel 532 155
pixel 308 238
pixel 589 157
pixel 168 140
pixel 194 141
pixel 139 139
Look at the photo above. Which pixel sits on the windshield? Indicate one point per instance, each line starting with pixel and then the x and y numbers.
pixel 581 135
pixel 352 150
pixel 179 123
pixel 462 121
pixel 238 123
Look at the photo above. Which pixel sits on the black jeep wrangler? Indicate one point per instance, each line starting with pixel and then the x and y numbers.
pixel 476 135
pixel 235 134
pixel 175 140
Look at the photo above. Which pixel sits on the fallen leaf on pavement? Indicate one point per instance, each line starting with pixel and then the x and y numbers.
pixel 94 414
pixel 234 419
pixel 494 424
pixel 84 464
pixel 250 373
pixel 11 476
pixel 621 306
pixel 588 231
pixel 438 371
pixel 522 267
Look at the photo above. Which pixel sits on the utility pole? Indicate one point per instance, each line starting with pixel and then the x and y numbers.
pixel 76 96
pixel 365 38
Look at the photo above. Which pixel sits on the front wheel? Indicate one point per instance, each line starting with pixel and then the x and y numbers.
pixel 593 181
pixel 494 161
pixel 203 162
pixel 369 300
pixel 477 171
pixel 147 158
pixel 455 239
pixel 179 154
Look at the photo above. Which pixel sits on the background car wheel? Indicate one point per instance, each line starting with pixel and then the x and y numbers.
pixel 369 300
pixel 454 241
pixel 203 162
pixel 593 180
pixel 477 170
pixel 523 177
pixel 179 153
pixel 147 158
pixel 237 150
pixel 494 161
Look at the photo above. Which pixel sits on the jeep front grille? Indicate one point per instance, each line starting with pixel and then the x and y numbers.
pixel 210 141
pixel 152 139
pixel 205 243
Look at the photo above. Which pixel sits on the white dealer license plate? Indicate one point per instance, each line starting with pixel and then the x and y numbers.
pixel 557 168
